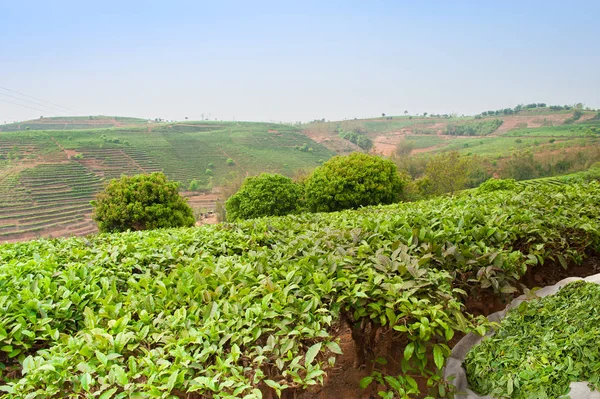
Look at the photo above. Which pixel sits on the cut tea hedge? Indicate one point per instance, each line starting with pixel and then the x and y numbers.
pixel 541 347
pixel 250 309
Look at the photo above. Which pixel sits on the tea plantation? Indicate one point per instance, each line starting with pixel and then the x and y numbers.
pixel 253 309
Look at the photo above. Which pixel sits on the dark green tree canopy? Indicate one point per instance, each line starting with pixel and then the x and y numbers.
pixel 351 181
pixel 141 202
pixel 264 195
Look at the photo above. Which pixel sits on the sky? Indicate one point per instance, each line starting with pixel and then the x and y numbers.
pixel 293 60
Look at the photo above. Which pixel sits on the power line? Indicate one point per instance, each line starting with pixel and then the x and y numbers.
pixel 21 105
pixel 39 99
pixel 34 102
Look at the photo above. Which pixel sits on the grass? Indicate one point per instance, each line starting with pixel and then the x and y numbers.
pixel 425 141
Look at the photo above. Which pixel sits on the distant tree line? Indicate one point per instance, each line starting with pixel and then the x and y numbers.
pixel 521 107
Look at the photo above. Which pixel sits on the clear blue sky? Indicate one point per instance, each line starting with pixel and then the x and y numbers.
pixel 295 60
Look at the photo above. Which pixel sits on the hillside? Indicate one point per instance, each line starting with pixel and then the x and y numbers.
pixel 483 135
pixel 48 177
pixel 306 305
pixel 72 123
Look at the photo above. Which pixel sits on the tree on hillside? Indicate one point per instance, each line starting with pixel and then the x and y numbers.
pixel 448 172
pixel 352 181
pixel 404 147
pixel 264 195
pixel 141 202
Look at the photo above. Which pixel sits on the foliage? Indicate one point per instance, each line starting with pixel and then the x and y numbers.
pixel 576 116
pixel 448 172
pixel 352 181
pixel 141 202
pixel 541 347
pixel 230 162
pixel 474 128
pixel 497 184
pixel 358 137
pixel 194 185
pixel 223 311
pixel 404 147
pixel 264 195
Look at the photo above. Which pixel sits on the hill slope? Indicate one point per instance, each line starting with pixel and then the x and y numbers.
pixel 433 134
pixel 48 177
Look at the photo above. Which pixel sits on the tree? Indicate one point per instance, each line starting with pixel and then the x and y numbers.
pixel 404 147
pixel 352 181
pixel 448 172
pixel 141 202
pixel 383 114
pixel 405 112
pixel 264 195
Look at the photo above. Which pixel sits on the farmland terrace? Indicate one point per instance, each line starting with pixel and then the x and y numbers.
pixel 48 177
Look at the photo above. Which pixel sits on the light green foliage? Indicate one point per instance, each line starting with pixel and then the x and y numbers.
pixel 194 185
pixel 224 309
pixel 352 181
pixel 230 162
pixel 575 117
pixel 264 195
pixel 448 172
pixel 474 128
pixel 358 137
pixel 141 202
pixel 497 184
pixel 541 347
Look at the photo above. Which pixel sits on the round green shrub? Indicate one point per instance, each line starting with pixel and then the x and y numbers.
pixel 351 181
pixel 141 202
pixel 264 195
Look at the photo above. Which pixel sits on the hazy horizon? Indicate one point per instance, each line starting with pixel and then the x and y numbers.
pixel 269 61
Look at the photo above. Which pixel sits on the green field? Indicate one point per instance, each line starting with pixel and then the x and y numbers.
pixel 246 309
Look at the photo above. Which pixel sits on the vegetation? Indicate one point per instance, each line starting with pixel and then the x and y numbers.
pixel 541 347
pixel 357 136
pixel 264 195
pixel 230 310
pixel 474 128
pixel 497 184
pixel 352 181
pixel 141 202
pixel 447 172
pixel 576 116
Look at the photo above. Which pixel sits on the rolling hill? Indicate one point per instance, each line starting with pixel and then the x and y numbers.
pixel 48 177
pixel 50 168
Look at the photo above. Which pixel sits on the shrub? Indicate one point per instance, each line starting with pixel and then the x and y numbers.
pixel 141 202
pixel 351 181
pixel 497 184
pixel 211 165
pixel 194 185
pixel 449 172
pixel 264 195
pixel 230 162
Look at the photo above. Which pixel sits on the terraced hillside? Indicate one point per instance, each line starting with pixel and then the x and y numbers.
pixel 48 177
pixel 483 135
pixel 72 123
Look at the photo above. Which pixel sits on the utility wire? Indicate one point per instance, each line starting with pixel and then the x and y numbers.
pixel 34 102
pixel 21 105
pixel 39 99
